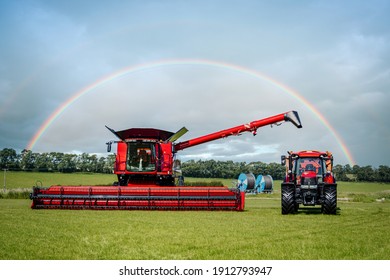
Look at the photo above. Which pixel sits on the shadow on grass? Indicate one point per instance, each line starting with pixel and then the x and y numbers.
pixel 314 211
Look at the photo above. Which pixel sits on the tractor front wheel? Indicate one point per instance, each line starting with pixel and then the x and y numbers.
pixel 288 199
pixel 329 205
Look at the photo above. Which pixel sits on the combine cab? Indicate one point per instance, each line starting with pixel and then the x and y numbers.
pixel 309 181
pixel 147 173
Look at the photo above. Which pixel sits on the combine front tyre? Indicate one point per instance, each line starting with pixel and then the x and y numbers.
pixel 288 199
pixel 329 205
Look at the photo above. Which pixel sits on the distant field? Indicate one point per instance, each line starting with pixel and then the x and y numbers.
pixel 30 179
pixel 19 184
pixel 360 230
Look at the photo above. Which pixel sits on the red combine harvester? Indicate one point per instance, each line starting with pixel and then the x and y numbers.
pixel 146 169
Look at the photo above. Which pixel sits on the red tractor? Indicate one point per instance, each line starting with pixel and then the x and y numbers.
pixel 309 181
pixel 146 171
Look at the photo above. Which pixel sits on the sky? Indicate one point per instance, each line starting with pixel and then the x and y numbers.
pixel 68 68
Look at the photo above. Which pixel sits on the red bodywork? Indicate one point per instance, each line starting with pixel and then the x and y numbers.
pixel 312 160
pixel 251 127
pixel 145 168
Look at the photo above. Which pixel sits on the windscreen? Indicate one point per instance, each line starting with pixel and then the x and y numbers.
pixel 309 164
pixel 141 157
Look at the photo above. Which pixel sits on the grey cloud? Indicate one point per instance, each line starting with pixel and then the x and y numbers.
pixel 327 52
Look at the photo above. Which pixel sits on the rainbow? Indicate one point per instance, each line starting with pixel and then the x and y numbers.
pixel 169 62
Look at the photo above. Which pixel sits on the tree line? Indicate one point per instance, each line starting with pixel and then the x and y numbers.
pixel 230 169
pixel 55 162
pixel 69 163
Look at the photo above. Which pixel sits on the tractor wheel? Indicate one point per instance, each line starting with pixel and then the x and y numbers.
pixel 288 199
pixel 329 205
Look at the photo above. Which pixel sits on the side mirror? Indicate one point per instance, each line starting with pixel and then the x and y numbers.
pixel 283 160
pixel 109 146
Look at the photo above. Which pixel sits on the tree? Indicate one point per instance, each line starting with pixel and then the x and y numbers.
pixel 365 173
pixel 27 161
pixel 56 159
pixel 383 173
pixel 68 163
pixel 276 170
pixel 339 173
pixel 8 159
pixel 43 162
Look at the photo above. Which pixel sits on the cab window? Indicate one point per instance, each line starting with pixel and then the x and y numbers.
pixel 141 157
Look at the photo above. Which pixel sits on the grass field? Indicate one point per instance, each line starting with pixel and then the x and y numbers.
pixel 29 179
pixel 360 230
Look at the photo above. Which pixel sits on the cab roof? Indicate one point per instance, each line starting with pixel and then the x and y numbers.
pixel 311 153
pixel 139 133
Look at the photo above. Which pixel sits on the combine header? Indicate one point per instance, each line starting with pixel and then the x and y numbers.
pixel 147 170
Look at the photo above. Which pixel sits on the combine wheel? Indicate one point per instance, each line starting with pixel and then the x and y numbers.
pixel 123 180
pixel 329 205
pixel 288 199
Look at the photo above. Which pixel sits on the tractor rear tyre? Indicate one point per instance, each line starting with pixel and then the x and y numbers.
pixel 288 199
pixel 329 205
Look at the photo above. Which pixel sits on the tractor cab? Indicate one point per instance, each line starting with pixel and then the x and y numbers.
pixel 308 170
pixel 144 156
pixel 307 166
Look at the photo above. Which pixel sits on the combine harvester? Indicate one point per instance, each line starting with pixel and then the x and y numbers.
pixel 146 170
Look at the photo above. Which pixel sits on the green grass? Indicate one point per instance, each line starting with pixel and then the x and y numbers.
pixel 16 180
pixel 360 230
pixel 20 184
